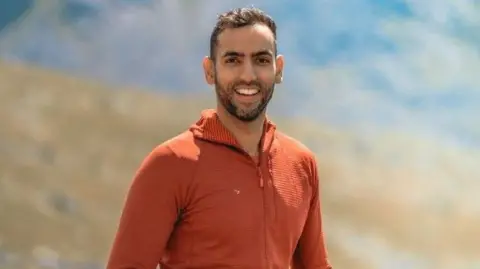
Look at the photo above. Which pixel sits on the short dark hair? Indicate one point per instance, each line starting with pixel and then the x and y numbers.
pixel 237 18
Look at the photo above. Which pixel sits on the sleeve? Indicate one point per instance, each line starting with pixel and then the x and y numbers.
pixel 311 250
pixel 149 213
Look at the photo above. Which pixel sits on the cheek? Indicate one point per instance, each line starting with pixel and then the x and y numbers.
pixel 225 83
pixel 267 77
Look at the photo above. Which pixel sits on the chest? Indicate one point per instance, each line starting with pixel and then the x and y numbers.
pixel 240 197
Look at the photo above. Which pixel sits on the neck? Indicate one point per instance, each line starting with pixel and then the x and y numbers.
pixel 248 134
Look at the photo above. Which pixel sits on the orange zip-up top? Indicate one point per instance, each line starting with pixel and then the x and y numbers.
pixel 199 201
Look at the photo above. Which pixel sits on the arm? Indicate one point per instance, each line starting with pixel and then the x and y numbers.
pixel 149 212
pixel 311 250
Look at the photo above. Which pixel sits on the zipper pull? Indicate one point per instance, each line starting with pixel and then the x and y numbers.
pixel 259 172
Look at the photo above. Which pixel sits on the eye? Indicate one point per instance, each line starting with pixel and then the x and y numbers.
pixel 231 60
pixel 263 61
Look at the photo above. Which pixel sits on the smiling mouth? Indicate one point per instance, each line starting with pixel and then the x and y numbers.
pixel 247 92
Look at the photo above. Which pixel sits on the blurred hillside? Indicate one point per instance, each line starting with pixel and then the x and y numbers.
pixel 69 147
pixel 67 152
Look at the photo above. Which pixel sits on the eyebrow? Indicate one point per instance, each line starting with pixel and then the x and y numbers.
pixel 255 54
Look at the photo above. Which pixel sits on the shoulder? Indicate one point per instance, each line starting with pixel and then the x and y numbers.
pixel 167 169
pixel 183 146
pixel 297 151
pixel 294 147
pixel 175 154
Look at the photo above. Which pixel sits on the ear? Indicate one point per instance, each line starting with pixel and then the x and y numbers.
pixel 209 70
pixel 279 62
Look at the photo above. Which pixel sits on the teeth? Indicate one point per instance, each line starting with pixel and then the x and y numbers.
pixel 247 91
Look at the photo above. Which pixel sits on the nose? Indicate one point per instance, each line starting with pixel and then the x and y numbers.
pixel 248 72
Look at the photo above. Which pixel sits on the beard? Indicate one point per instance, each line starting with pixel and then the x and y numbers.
pixel 225 95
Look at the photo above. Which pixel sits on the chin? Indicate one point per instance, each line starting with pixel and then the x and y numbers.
pixel 243 113
pixel 248 117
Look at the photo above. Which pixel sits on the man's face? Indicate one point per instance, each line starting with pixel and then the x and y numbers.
pixel 246 70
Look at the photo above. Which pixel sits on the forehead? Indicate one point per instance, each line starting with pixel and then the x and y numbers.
pixel 246 39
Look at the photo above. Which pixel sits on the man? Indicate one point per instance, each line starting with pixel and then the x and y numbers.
pixel 231 191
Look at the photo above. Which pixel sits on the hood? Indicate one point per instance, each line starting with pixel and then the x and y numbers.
pixel 210 128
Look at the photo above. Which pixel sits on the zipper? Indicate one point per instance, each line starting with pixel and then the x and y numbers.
pixel 258 166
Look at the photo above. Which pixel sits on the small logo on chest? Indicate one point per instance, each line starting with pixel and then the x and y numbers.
pixel 236 191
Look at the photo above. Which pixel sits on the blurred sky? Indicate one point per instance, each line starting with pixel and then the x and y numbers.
pixel 360 64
